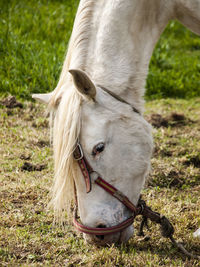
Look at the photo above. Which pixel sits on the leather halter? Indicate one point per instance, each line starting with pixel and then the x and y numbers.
pixel 167 229
pixel 87 170
pixel 117 97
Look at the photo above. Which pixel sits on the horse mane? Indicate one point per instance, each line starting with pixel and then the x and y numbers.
pixel 65 116
pixel 66 130
pixel 76 57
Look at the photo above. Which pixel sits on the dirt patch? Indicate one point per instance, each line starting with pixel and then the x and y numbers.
pixel 41 123
pixel 11 102
pixel 195 161
pixel 171 179
pixel 27 166
pixel 174 179
pixel 173 120
pixel 25 156
pixel 175 182
pixel 162 152
pixel 157 120
pixel 43 143
pixel 177 119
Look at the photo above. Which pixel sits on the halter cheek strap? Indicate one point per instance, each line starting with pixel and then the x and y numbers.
pixel 117 194
pixel 86 170
pixel 84 167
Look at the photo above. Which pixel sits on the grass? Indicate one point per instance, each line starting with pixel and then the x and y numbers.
pixel 175 65
pixel 33 41
pixel 27 236
pixel 34 37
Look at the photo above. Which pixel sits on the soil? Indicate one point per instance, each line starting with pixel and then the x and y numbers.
pixel 25 157
pixel 11 102
pixel 26 234
pixel 27 166
pixel 157 120
pixel 195 161
pixel 43 143
pixel 173 120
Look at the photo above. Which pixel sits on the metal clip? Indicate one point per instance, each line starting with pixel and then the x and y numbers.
pixel 78 155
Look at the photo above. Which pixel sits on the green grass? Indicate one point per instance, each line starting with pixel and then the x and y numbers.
pixel 34 37
pixel 33 42
pixel 175 64
pixel 27 235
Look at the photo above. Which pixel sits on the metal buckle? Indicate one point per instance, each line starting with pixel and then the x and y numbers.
pixel 80 152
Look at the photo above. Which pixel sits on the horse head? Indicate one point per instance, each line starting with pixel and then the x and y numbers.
pixel 117 144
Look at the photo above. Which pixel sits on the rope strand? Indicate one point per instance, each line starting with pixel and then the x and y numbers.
pixel 183 250
pixel 167 229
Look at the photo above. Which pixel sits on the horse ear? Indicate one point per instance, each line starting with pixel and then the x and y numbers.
pixel 44 98
pixel 83 83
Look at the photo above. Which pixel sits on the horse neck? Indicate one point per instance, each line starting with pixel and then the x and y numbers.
pixel 122 38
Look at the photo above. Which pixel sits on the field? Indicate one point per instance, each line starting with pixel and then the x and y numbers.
pixel 34 37
pixel 27 236
pixel 33 41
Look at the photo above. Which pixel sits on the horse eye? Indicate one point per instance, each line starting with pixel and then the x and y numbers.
pixel 98 149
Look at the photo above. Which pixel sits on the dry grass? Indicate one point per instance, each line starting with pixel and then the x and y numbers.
pixel 27 237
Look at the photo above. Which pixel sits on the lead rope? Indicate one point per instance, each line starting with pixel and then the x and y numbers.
pixel 167 229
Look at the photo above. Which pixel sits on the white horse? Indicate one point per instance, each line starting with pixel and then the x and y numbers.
pixel 110 47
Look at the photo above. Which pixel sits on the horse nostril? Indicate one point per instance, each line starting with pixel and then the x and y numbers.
pixel 101 237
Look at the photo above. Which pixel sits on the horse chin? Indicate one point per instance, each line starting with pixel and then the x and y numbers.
pixel 126 234
pixel 117 238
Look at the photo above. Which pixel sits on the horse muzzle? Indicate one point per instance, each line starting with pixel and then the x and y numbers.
pixel 103 240
pixel 103 233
